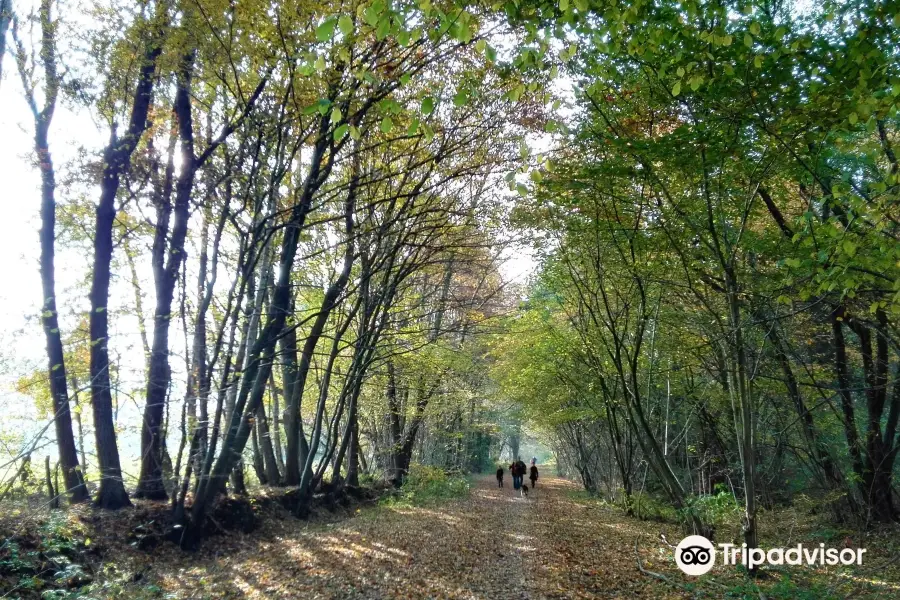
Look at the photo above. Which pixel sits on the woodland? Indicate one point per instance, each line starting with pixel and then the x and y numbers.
pixel 305 270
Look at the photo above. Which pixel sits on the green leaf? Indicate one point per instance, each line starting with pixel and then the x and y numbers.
pixel 325 31
pixel 465 32
pixel 386 125
pixel 427 105
pixel 340 132
pixel 413 128
pixel 754 28
pixel 345 23
pixel 355 133
pixel 460 99
pixel 480 45
pixel 370 16
pixel 676 89
pixel 748 40
pixel 384 27
pixel 564 5
pixel 853 118
pixel 336 115
pixel 581 5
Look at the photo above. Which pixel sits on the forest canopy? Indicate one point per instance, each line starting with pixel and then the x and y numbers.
pixel 281 246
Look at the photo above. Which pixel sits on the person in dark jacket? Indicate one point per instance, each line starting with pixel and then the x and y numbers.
pixel 499 476
pixel 514 471
pixel 521 469
pixel 533 476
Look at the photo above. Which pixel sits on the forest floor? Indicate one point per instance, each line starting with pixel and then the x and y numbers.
pixel 492 544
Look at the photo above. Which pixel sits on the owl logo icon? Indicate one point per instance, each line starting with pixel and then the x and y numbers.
pixel 695 555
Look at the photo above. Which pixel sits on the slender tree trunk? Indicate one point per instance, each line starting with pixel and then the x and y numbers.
pixel 276 424
pixel 80 425
pixel 52 493
pixel 57 374
pixel 117 158
pixel 876 475
pixel 746 442
pixel 257 456
pixel 849 414
pixel 353 464
pixel 151 484
pixel 268 451
pixel 818 447
pixel 6 15
pixel 254 378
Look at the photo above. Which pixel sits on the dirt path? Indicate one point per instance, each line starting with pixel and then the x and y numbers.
pixel 494 544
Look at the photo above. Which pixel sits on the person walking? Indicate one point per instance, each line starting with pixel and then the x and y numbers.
pixel 514 471
pixel 533 475
pixel 520 471
pixel 500 476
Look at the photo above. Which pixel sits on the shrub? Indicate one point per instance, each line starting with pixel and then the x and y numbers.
pixel 426 485
pixel 717 509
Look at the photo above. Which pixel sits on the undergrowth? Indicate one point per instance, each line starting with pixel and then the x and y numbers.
pixel 426 486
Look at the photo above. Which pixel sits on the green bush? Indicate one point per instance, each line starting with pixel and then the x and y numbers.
pixel 427 485
pixel 650 508
pixel 716 509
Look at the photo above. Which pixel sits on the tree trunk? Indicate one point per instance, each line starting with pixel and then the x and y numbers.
pixel 52 493
pixel 268 451
pixel 151 484
pixel 257 456
pixel 254 378
pixel 57 374
pixel 276 424
pixel 117 158
pixel 6 14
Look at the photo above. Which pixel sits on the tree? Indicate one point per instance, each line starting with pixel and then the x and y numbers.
pixel 116 160
pixel 43 117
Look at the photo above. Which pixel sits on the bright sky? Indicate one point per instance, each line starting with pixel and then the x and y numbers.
pixel 21 338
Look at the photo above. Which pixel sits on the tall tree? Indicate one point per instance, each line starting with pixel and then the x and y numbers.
pixel 116 161
pixel 43 117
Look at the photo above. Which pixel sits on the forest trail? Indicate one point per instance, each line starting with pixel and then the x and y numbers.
pixel 492 544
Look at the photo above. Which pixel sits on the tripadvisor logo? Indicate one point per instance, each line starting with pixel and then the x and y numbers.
pixel 695 555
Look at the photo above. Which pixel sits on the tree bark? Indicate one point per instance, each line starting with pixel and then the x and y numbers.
pixel 151 484
pixel 57 374
pixel 117 158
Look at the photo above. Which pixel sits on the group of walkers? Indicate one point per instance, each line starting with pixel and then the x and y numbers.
pixel 518 470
